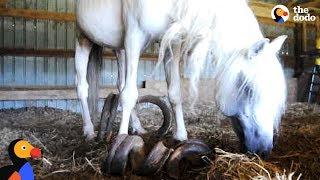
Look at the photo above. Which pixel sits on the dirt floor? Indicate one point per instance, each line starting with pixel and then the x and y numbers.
pixel 67 156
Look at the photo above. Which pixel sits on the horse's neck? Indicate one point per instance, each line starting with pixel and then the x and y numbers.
pixel 236 30
pixel 233 23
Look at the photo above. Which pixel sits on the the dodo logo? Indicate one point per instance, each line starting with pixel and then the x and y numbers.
pixel 280 14
pixel 19 151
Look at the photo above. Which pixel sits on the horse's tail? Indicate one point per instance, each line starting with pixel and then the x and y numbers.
pixel 93 76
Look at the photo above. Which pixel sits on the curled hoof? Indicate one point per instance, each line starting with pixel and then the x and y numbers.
pixel 155 160
pixel 166 112
pixel 190 151
pixel 122 147
pixel 109 113
pixel 131 149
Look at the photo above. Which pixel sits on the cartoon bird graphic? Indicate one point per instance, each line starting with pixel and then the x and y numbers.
pixel 19 150
pixel 279 14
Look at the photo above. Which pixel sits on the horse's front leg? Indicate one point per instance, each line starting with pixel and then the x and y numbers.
pixel 174 91
pixel 134 42
pixel 83 48
pixel 135 122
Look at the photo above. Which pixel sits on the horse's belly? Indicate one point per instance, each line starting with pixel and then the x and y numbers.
pixel 155 16
pixel 101 21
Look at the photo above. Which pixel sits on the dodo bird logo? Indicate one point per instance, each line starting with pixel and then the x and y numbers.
pixel 19 151
pixel 280 14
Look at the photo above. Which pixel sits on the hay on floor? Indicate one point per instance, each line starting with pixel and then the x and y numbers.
pixel 59 134
pixel 239 166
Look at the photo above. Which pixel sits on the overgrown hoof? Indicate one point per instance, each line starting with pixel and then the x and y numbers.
pixel 189 151
pixel 166 112
pixel 109 113
pixel 129 151
pixel 155 160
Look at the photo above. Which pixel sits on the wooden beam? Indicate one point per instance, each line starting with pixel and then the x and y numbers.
pixel 304 37
pixel 261 10
pixel 60 93
pixel 37 52
pixel 70 53
pixel 299 63
pixel 3 3
pixel 44 93
pixel 152 87
pixel 37 14
pixel 61 53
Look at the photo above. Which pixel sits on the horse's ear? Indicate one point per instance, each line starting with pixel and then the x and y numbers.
pixel 257 47
pixel 277 43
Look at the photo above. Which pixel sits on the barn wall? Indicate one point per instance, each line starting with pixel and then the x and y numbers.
pixel 43 71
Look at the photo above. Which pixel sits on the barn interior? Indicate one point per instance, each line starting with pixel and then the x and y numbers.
pixel 38 99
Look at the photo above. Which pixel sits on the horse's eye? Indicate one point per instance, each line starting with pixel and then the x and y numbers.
pixel 24 147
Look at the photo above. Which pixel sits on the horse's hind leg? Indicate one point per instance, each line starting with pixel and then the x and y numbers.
pixel 174 91
pixel 83 48
pixel 134 120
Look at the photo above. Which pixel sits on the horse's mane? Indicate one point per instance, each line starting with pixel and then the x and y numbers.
pixel 192 25
pixel 197 26
pixel 219 31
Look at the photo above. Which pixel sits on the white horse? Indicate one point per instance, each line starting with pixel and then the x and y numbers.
pixel 250 84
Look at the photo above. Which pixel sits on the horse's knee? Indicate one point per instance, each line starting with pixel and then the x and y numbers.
pixel 82 89
pixel 174 95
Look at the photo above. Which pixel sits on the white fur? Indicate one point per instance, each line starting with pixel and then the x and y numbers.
pixel 81 62
pixel 264 75
pixel 223 31
pixel 135 122
pixel 219 31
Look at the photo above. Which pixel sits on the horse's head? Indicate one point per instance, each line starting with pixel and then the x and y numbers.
pixel 253 91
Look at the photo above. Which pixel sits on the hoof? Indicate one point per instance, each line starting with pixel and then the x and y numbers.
pixel 155 160
pixel 118 157
pixel 110 110
pixel 166 112
pixel 88 133
pixel 115 144
pixel 181 137
pixel 90 137
pixel 129 151
pixel 190 151
pixel 108 115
